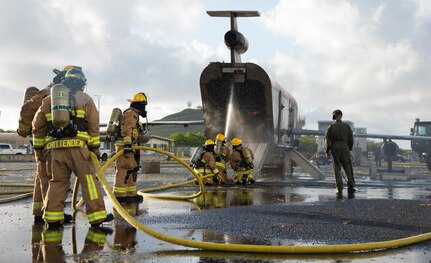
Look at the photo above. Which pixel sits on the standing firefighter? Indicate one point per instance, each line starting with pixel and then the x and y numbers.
pixel 206 164
pixel 339 143
pixel 32 102
pixel 127 164
pixel 241 161
pixel 70 117
pixel 222 156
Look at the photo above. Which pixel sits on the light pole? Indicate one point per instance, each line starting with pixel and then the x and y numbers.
pixel 98 101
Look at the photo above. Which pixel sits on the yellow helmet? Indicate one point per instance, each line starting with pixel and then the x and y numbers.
pixel 209 142
pixel 139 97
pixel 220 137
pixel 236 141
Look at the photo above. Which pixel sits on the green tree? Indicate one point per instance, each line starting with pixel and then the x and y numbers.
pixel 307 145
pixel 188 139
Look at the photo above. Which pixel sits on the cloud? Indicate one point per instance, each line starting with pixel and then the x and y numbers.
pixel 355 56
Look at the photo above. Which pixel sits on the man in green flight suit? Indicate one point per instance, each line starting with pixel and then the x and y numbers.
pixel 339 143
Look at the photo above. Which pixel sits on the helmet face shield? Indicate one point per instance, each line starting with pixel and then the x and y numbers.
pixel 74 79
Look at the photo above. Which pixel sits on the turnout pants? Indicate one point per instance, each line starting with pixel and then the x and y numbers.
pixel 125 179
pixel 41 183
pixel 64 162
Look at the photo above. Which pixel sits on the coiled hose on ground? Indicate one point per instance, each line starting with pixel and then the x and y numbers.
pixel 342 248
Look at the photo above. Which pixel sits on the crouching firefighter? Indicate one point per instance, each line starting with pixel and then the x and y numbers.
pixel 205 163
pixel 70 117
pixel 127 165
pixel 222 157
pixel 242 162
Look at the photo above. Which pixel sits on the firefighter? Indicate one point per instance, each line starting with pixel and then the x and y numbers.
pixel 70 149
pixel 241 161
pixel 206 164
pixel 222 155
pixel 127 166
pixel 43 175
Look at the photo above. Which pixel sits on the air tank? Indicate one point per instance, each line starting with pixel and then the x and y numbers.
pixel 29 93
pixel 60 108
pixel 247 155
pixel 218 147
pixel 196 155
pixel 114 122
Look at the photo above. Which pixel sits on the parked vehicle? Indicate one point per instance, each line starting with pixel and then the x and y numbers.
pixel 105 154
pixel 6 148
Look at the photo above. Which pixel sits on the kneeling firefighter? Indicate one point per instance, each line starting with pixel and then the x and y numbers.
pixel 242 162
pixel 206 164
pixel 222 156
pixel 69 116
pixel 127 165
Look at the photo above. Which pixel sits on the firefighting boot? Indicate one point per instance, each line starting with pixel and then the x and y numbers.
pixel 54 225
pixel 137 198
pixel 124 199
pixel 108 218
pixel 67 219
pixel 38 220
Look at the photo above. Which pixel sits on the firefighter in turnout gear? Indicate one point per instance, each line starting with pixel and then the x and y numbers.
pixel 70 148
pixel 339 143
pixel 206 164
pixel 27 113
pixel 241 161
pixel 222 157
pixel 127 165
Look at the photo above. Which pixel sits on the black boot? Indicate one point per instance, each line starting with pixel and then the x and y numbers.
pixel 137 198
pixel 67 219
pixel 38 220
pixel 54 225
pixel 124 199
pixel 108 218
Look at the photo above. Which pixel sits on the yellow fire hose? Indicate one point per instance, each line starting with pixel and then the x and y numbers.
pixel 23 193
pixel 342 248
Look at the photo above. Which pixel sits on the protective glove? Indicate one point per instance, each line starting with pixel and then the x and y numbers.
pixel 40 155
pixel 22 133
pixel 128 149
pixel 96 151
pixel 57 79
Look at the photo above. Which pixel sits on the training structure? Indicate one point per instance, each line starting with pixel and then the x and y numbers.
pixel 240 99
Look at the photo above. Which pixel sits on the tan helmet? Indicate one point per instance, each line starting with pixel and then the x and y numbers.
pixel 209 142
pixel 236 141
pixel 220 137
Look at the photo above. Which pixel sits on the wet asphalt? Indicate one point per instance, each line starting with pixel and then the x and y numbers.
pixel 274 211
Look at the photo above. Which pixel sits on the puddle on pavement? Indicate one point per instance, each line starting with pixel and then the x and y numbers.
pixel 25 242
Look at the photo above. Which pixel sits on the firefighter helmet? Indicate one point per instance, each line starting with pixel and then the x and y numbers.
pixel 75 79
pixel 209 142
pixel 139 97
pixel 220 137
pixel 66 68
pixel 236 141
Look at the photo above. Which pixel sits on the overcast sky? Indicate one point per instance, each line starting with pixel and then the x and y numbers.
pixel 370 58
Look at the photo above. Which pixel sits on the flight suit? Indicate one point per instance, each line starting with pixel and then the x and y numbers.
pixel 241 169
pixel 221 160
pixel 41 182
pixel 72 154
pixel 207 165
pixel 339 142
pixel 125 178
